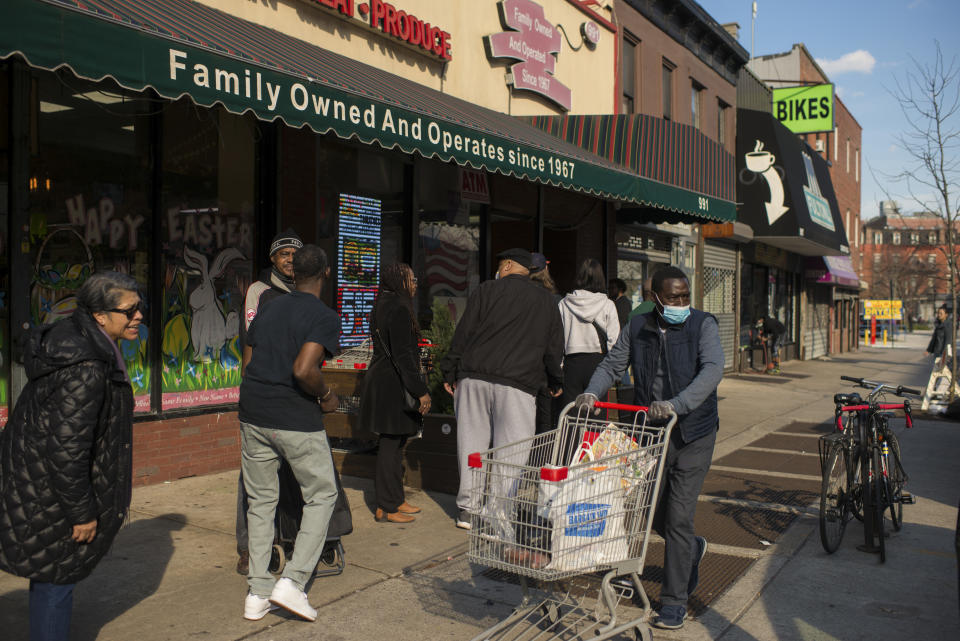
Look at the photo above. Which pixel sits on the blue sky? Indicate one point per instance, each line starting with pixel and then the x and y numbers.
pixel 863 45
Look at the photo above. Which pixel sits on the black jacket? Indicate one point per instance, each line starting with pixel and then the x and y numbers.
pixel 381 396
pixel 65 455
pixel 510 334
pixel 942 336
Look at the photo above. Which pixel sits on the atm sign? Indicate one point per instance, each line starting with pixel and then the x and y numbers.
pixel 805 110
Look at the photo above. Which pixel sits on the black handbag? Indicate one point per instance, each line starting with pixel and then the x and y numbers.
pixel 410 402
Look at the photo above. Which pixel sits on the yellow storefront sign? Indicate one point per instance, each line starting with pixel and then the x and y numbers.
pixel 883 309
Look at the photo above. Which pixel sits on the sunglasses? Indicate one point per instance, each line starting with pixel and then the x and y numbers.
pixel 130 312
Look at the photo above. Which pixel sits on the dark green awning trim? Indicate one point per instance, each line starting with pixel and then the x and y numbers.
pixel 244 67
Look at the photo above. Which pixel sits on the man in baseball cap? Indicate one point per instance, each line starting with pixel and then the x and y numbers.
pixel 506 347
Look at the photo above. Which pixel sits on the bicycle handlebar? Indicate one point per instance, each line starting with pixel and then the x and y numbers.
pixel 899 390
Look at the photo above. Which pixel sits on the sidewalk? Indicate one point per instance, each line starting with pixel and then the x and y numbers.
pixel 170 574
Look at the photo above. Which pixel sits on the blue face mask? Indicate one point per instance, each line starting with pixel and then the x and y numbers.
pixel 674 314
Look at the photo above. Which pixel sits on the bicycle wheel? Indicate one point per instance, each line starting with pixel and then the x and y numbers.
pixel 857 482
pixel 896 478
pixel 834 498
pixel 879 500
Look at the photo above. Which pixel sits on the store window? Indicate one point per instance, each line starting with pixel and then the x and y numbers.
pixel 4 256
pixel 448 242
pixel 207 231
pixel 666 88
pixel 90 201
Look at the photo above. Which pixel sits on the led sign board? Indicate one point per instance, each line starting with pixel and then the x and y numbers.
pixel 805 110
pixel 358 266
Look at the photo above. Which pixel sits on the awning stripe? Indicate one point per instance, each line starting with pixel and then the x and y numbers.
pixel 146 37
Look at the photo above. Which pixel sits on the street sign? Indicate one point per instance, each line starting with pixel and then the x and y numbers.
pixel 804 110
pixel 883 309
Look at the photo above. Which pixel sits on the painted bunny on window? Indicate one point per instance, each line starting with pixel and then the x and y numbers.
pixel 209 330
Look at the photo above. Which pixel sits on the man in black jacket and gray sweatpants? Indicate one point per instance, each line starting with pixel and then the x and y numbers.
pixel 505 347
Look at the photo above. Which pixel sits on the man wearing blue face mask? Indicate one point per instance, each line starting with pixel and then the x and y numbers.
pixel 677 362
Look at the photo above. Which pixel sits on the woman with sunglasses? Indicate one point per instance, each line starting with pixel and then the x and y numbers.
pixel 395 367
pixel 65 459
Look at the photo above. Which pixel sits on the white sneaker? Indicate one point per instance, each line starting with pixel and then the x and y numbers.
pixel 463 520
pixel 288 596
pixel 256 607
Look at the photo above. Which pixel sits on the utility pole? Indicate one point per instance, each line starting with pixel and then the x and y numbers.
pixel 753 25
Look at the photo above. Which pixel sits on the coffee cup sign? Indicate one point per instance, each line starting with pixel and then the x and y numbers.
pixel 758 161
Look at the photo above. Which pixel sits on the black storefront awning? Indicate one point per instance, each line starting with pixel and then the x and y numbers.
pixel 785 189
pixel 182 47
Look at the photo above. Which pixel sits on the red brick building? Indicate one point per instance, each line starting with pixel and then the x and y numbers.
pixel 906 255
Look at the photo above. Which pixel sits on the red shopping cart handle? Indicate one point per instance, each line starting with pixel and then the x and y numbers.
pixel 620 406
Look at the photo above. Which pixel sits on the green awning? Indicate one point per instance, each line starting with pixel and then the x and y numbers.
pixel 180 47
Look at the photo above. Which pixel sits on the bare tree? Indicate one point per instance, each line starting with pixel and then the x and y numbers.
pixel 929 97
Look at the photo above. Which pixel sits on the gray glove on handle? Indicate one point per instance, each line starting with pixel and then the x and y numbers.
pixel 585 403
pixel 660 410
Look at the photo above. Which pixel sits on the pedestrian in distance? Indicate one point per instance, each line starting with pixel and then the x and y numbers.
pixel 617 290
pixel 591 326
pixel 274 281
pixel 65 454
pixel 506 347
pixel 282 400
pixel 547 406
pixel 677 362
pixel 395 370
pixel 943 335
pixel 771 331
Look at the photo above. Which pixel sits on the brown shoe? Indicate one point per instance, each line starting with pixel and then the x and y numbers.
pixel 243 563
pixel 392 517
pixel 406 508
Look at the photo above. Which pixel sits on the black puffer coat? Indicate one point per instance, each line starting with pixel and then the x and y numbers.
pixel 65 456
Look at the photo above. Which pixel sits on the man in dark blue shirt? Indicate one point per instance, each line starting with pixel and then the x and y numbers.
pixel 282 400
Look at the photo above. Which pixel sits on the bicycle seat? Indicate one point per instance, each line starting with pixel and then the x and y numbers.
pixel 847 399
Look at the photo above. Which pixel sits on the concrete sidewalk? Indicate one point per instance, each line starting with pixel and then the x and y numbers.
pixel 170 574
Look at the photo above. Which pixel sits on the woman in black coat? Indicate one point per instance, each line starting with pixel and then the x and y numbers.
pixel 65 459
pixel 395 367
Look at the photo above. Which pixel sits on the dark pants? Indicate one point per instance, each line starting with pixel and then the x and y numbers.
pixel 242 536
pixel 389 478
pixel 577 370
pixel 548 411
pixel 685 467
pixel 51 606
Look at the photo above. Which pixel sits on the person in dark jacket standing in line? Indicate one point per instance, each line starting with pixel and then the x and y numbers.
pixel 506 347
pixel 65 458
pixel 771 331
pixel 548 408
pixel 677 363
pixel 395 367
pixel 274 281
pixel 617 291
pixel 282 399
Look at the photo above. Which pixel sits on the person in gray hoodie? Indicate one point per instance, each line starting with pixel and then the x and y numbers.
pixel 590 328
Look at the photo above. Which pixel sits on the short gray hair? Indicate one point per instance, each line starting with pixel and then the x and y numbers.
pixel 103 290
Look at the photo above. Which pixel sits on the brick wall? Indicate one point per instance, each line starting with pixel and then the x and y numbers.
pixel 174 448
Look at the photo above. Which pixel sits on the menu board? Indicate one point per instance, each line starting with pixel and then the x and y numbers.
pixel 358 265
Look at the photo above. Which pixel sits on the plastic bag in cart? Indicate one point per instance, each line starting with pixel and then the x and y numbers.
pixel 636 464
pixel 586 511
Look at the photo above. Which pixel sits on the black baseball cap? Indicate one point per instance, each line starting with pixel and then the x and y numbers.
pixel 518 255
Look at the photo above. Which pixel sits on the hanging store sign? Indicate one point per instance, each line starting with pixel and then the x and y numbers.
pixel 533 41
pixel 385 19
pixel 883 309
pixel 804 110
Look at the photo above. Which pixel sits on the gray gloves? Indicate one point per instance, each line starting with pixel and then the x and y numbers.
pixel 660 410
pixel 585 403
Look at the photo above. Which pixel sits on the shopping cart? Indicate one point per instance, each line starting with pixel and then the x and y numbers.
pixel 570 508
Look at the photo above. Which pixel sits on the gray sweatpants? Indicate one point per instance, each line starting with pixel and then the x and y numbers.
pixel 490 415
pixel 308 454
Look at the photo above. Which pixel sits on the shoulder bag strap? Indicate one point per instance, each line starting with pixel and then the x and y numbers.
pixel 602 335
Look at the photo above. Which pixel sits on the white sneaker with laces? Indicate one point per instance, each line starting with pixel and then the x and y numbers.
pixel 256 607
pixel 288 596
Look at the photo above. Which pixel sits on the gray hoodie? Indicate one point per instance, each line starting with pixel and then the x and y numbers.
pixel 578 310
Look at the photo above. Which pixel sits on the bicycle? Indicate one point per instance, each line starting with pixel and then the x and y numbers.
pixel 861 468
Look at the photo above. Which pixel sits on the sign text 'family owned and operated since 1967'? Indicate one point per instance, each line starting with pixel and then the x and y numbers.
pixel 535 43
pixel 385 18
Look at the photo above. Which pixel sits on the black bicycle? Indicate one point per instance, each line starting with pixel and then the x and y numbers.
pixel 862 471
